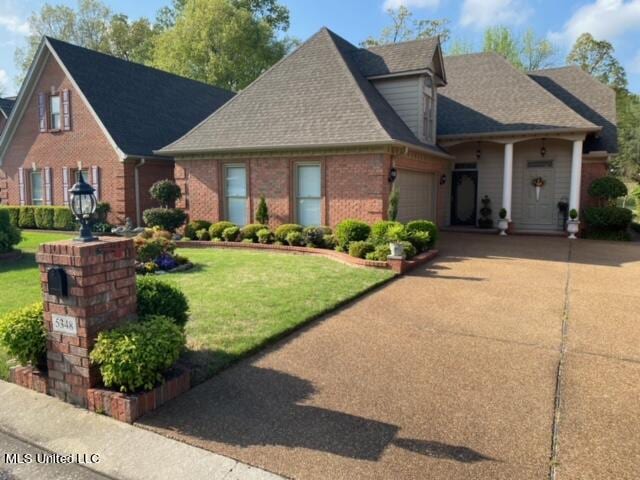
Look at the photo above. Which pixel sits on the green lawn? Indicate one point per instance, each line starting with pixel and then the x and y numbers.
pixel 240 300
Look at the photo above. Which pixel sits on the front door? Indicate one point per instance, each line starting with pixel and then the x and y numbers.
pixel 539 209
pixel 464 194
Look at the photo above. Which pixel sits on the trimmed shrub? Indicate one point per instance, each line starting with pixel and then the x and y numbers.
pixel 63 219
pixel 135 356
pixel 231 234
pixel 149 249
pixel 217 228
pixel 314 236
pixel 194 226
pixel 9 234
pixel 379 231
pixel 607 189
pixel 160 298
pixel 250 231
pixel 264 236
pixel 262 214
pixel 420 240
pixel 397 233
pixel 329 241
pixel 409 250
pixel 102 212
pixel 166 192
pixel 349 231
pixel 607 218
pixel 283 230
pixel 203 234
pixel 380 253
pixel 394 200
pixel 295 239
pixel 360 248
pixel 44 217
pixel 14 213
pixel 27 217
pixel 23 334
pixel 424 226
pixel 166 218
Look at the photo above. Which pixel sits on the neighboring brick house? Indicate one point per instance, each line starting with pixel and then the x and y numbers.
pixel 324 132
pixel 6 105
pixel 79 107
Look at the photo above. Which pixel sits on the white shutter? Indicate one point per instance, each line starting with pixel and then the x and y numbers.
pixel 66 110
pixel 42 112
pixel 65 186
pixel 47 186
pixel 23 192
pixel 95 180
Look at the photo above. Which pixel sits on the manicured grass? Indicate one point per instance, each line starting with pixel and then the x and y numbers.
pixel 20 281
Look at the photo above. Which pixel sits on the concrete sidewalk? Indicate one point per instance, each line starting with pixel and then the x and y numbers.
pixel 31 422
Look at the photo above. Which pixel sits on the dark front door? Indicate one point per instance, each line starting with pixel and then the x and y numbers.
pixel 464 194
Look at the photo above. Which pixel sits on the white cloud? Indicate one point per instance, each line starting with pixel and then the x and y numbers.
pixel 14 24
pixel 485 13
pixel 409 4
pixel 604 19
pixel 4 80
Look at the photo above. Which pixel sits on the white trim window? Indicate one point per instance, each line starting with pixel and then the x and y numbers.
pixel 55 112
pixel 37 188
pixel 308 194
pixel 235 191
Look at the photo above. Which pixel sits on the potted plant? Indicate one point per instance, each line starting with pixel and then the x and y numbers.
pixel 396 235
pixel 503 223
pixel 485 220
pixel 573 224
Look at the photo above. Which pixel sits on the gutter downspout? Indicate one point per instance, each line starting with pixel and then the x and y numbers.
pixel 136 176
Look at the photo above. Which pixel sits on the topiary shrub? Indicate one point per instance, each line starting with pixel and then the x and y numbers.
pixel 607 218
pixel 283 230
pixel 23 334
pixel 424 226
pixel 44 217
pixel 166 192
pixel 314 236
pixel 264 236
pixel 360 249
pixel 262 214
pixel 394 201
pixel 349 231
pixel 379 231
pixel 217 228
pixel 194 226
pixel 607 189
pixel 27 217
pixel 160 298
pixel 135 356
pixel 231 234
pixel 380 253
pixel 9 234
pixel 165 218
pixel 203 234
pixel 250 232
pixel 14 213
pixel 63 219
pixel 295 239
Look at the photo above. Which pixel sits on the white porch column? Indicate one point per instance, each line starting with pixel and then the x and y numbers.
pixel 576 176
pixel 507 179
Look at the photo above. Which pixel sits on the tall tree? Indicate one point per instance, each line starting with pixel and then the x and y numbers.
pixel 597 58
pixel 536 53
pixel 222 42
pixel 460 47
pixel 131 40
pixel 627 162
pixel 404 27
pixel 501 40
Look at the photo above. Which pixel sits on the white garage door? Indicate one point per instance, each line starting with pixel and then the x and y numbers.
pixel 417 195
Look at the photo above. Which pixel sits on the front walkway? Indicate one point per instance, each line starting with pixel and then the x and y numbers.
pixel 513 357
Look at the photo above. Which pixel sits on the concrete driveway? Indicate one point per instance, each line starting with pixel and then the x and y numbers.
pixel 506 358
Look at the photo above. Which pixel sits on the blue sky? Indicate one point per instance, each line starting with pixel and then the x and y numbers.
pixel 560 20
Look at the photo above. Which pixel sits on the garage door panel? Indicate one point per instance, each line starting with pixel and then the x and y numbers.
pixel 417 195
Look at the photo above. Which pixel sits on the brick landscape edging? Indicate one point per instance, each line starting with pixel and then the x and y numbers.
pixel 398 267
pixel 29 377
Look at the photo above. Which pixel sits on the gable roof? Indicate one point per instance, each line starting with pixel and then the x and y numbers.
pixel 588 97
pixel 6 105
pixel 487 95
pixel 139 108
pixel 315 97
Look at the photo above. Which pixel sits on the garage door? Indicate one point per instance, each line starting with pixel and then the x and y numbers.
pixel 417 195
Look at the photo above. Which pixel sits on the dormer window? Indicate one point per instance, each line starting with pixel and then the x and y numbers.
pixel 54 110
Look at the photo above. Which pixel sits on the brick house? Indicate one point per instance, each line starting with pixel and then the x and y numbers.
pixel 6 105
pixel 328 131
pixel 79 107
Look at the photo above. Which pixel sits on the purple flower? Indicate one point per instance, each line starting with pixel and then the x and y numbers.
pixel 166 262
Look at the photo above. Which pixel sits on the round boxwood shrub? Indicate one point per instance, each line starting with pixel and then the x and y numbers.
pixel 165 218
pixel 203 234
pixel 360 249
pixel 231 234
pixel 380 253
pixel 607 218
pixel 409 250
pixel 379 230
pixel 63 219
pixel 160 298
pixel 135 356
pixel 314 236
pixel 420 240
pixel 215 231
pixel 194 226
pixel 9 235
pixel 424 226
pixel 44 217
pixel 27 217
pixel 23 334
pixel 295 239
pixel 349 231
pixel 250 232
pixel 329 241
pixel 607 188
pixel 264 236
pixel 166 192
pixel 285 229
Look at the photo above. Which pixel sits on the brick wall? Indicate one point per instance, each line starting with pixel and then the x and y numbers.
pixel 590 171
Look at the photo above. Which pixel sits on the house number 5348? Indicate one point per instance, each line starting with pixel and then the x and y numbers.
pixel 64 324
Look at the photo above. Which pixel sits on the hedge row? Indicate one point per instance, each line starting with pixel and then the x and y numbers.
pixel 44 218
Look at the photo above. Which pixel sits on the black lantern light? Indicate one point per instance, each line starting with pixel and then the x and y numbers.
pixel 543 149
pixel 83 206
pixel 393 173
pixel 443 179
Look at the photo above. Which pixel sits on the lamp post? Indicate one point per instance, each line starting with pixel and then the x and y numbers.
pixel 83 205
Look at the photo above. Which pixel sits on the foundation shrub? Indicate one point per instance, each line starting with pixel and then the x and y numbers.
pixel 27 217
pixel 231 234
pixel 264 236
pixel 250 232
pixel 194 226
pixel 295 239
pixel 156 297
pixel 215 231
pixel 360 248
pixel 285 229
pixel 63 219
pixel 44 217
pixel 424 226
pixel 380 253
pixel 349 231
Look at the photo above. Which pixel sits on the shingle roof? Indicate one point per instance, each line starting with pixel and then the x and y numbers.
pixel 6 105
pixel 397 57
pixel 142 108
pixel 312 98
pixel 485 94
pixel 587 96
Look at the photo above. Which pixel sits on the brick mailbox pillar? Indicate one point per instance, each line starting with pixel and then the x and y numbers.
pixel 87 287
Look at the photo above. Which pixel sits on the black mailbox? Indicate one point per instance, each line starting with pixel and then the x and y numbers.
pixel 57 280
